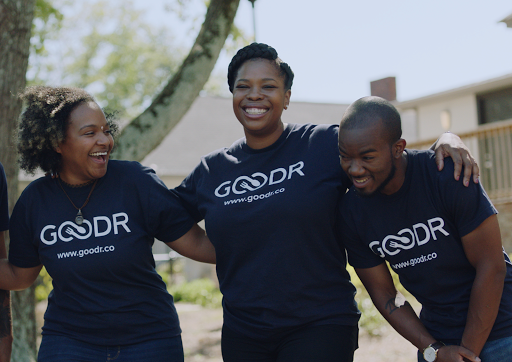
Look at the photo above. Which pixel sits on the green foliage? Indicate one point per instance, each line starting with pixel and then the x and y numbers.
pixel 47 24
pixel 199 291
pixel 108 48
pixel 113 51
pixel 123 60
pixel 47 20
pixel 43 285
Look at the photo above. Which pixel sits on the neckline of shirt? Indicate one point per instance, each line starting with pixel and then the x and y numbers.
pixel 282 138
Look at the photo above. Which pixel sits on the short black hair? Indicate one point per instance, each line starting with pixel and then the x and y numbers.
pixel 366 111
pixel 255 51
pixel 44 122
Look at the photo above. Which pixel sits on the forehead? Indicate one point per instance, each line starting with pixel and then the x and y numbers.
pixel 88 112
pixel 365 139
pixel 258 68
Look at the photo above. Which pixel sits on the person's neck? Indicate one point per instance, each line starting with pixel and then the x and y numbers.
pixel 398 179
pixel 73 181
pixel 258 143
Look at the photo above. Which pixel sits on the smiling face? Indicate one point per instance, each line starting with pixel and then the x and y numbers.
pixel 259 97
pixel 370 161
pixel 85 151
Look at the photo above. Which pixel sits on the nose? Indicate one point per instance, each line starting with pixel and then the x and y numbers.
pixel 254 93
pixel 103 138
pixel 355 168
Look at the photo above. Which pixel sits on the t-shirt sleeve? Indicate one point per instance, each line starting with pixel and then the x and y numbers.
pixel 187 193
pixel 23 249
pixel 358 252
pixel 469 206
pixel 4 206
pixel 167 218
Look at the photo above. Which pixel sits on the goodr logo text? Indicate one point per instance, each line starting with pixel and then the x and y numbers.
pixel 101 226
pixel 258 179
pixel 407 238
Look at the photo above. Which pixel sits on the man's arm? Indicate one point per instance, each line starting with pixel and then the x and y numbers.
pixel 395 309
pixel 484 251
pixel 450 145
pixel 5 313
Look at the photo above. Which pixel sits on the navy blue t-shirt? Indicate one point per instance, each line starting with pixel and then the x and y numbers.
pixel 106 290
pixel 418 230
pixel 4 206
pixel 270 214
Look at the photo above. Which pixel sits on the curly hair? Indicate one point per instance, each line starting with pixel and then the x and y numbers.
pixel 44 123
pixel 255 51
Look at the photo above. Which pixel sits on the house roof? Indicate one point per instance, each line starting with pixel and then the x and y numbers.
pixel 494 84
pixel 210 124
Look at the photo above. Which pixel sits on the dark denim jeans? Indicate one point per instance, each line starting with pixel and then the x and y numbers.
pixel 499 350
pixel 60 349
pixel 323 343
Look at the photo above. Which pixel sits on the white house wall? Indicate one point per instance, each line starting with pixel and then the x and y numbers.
pixel 463 112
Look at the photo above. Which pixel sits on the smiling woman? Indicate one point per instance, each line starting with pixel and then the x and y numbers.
pixel 86 149
pixel 108 302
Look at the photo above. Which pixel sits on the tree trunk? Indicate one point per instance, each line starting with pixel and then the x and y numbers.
pixel 15 25
pixel 146 132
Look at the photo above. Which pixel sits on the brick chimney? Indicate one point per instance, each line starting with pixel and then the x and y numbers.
pixel 384 88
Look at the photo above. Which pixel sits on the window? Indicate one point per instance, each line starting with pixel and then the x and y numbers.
pixel 495 106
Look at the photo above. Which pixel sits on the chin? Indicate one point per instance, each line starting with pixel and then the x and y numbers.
pixel 365 193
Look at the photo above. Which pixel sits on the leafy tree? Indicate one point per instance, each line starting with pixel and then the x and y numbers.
pixel 147 131
pixel 15 25
pixel 110 49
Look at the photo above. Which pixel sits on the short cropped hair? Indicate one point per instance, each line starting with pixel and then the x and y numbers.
pixel 258 51
pixel 366 111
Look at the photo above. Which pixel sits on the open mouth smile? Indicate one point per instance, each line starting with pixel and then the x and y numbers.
pixel 99 156
pixel 359 182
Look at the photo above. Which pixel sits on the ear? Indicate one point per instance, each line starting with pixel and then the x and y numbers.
pixel 287 96
pixel 399 147
pixel 57 149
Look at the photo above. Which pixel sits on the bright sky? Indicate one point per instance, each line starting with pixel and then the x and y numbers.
pixel 336 48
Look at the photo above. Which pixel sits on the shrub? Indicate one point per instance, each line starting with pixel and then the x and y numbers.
pixel 199 291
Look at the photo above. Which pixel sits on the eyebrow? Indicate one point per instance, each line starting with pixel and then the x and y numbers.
pixel 369 151
pixel 362 153
pixel 247 80
pixel 92 125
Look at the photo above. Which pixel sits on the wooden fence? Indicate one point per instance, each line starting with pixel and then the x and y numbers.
pixel 491 144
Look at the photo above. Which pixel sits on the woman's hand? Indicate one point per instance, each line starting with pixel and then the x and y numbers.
pixel 450 145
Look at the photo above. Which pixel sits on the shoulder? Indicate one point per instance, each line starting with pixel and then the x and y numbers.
pixel 315 130
pixel 122 168
pixel 321 138
pixel 39 184
pixel 130 173
pixel 32 195
pixel 424 161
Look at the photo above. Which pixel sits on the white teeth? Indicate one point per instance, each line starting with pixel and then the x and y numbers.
pixel 361 180
pixel 98 154
pixel 255 110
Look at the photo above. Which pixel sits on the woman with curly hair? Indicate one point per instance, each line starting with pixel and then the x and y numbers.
pixel 92 227
pixel 269 202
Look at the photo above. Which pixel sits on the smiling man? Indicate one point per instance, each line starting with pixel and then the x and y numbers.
pixel 441 238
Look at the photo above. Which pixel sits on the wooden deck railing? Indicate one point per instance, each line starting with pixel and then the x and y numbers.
pixel 491 144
